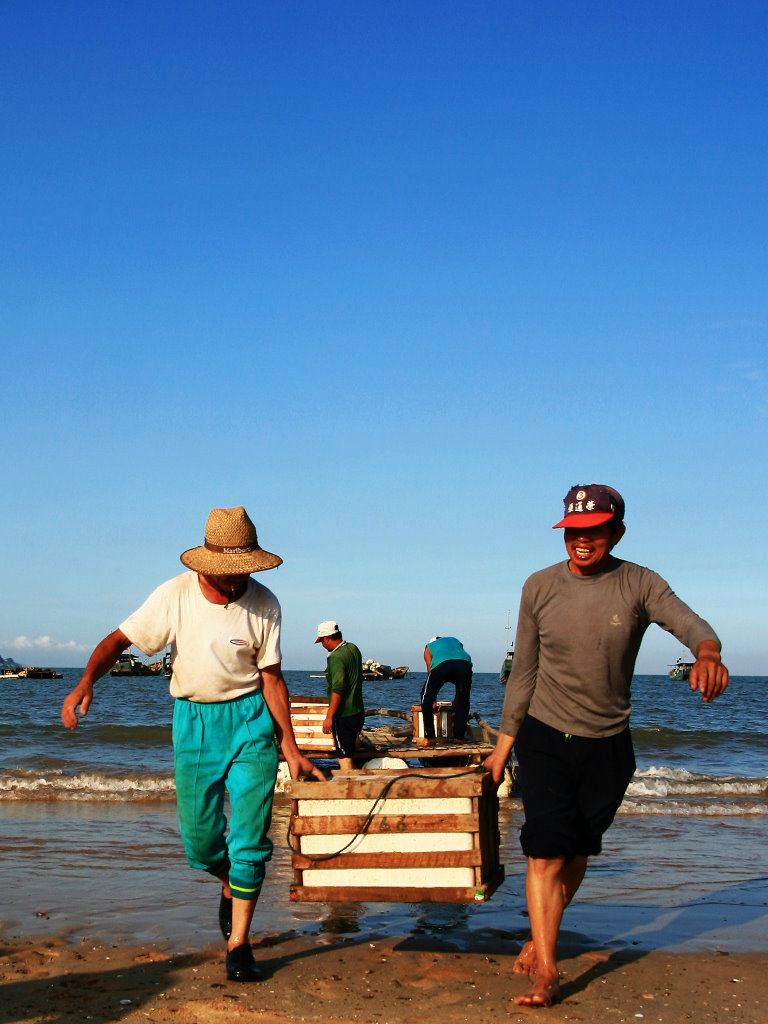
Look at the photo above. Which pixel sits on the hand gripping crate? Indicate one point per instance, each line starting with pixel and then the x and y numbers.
pixel 396 836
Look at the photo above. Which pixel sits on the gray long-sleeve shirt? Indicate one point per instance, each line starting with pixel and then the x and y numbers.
pixel 577 641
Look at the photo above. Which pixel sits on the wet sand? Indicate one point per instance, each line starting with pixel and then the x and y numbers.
pixel 102 920
pixel 391 981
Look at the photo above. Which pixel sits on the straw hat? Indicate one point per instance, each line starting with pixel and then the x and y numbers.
pixel 231 546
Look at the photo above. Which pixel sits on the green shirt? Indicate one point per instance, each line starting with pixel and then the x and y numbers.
pixel 345 677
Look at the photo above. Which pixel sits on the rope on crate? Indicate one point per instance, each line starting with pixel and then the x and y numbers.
pixel 363 827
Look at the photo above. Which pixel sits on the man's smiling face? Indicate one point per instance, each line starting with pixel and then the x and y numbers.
pixel 590 547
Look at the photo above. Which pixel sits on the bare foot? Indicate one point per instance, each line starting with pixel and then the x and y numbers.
pixel 545 992
pixel 422 741
pixel 526 960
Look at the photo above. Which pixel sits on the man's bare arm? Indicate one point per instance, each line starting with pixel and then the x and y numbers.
pixel 276 695
pixel 496 761
pixel 708 675
pixel 333 706
pixel 100 662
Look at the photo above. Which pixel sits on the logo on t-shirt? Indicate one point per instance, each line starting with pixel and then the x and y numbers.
pixel 239 643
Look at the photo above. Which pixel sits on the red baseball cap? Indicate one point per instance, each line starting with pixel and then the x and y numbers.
pixel 590 505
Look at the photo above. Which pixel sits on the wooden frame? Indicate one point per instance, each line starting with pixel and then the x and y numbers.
pixel 409 835
pixel 307 717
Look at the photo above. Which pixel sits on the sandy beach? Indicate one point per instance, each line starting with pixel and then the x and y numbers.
pixel 83 940
pixel 394 980
pixel 133 951
pixel 102 919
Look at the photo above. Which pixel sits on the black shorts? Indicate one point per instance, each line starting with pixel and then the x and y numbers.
pixel 571 786
pixel 345 733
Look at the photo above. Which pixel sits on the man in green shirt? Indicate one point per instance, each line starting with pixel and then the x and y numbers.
pixel 346 712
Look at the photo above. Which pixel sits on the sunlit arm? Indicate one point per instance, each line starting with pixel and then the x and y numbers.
pixel 708 675
pixel 100 662
pixel 333 707
pixel 276 695
pixel 496 761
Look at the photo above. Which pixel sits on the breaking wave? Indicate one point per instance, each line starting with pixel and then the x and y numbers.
pixel 55 785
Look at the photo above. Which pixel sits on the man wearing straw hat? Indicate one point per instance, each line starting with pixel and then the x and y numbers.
pixel 567 705
pixel 231 702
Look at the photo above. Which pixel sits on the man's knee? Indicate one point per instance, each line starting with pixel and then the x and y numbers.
pixel 544 867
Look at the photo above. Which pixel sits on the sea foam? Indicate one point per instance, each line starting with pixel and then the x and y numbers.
pixel 28 785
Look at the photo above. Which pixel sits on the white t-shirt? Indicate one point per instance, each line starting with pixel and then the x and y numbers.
pixel 216 651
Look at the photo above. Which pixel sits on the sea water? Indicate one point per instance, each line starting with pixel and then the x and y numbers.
pixel 90 844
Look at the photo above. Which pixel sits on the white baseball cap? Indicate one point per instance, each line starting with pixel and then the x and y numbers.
pixel 327 628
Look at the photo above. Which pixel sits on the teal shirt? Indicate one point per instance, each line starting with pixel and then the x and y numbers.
pixel 345 677
pixel 446 648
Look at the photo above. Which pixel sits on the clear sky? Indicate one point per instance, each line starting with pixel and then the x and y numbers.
pixel 394 276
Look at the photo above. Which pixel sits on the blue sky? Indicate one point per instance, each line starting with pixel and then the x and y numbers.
pixel 394 277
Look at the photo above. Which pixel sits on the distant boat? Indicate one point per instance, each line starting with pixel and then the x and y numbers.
pixel 33 672
pixel 128 665
pixel 167 667
pixel 681 669
pixel 506 665
pixel 375 670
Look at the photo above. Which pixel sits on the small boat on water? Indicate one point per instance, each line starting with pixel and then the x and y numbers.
pixel 681 669
pixel 506 665
pixel 375 670
pixel 33 672
pixel 128 665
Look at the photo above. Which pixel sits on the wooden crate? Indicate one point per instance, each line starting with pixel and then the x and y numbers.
pixel 443 720
pixel 307 716
pixel 429 834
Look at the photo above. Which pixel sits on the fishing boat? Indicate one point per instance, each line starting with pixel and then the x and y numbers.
pixel 387 739
pixel 33 672
pixel 380 735
pixel 375 670
pixel 681 669
pixel 506 665
pixel 128 665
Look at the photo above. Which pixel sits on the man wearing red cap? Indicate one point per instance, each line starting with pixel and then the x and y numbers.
pixel 567 704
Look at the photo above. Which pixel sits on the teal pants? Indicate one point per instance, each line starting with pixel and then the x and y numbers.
pixel 226 746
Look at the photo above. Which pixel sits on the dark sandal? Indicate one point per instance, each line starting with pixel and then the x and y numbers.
pixel 225 915
pixel 241 966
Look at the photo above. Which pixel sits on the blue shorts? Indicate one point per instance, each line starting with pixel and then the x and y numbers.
pixel 226 746
pixel 571 786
